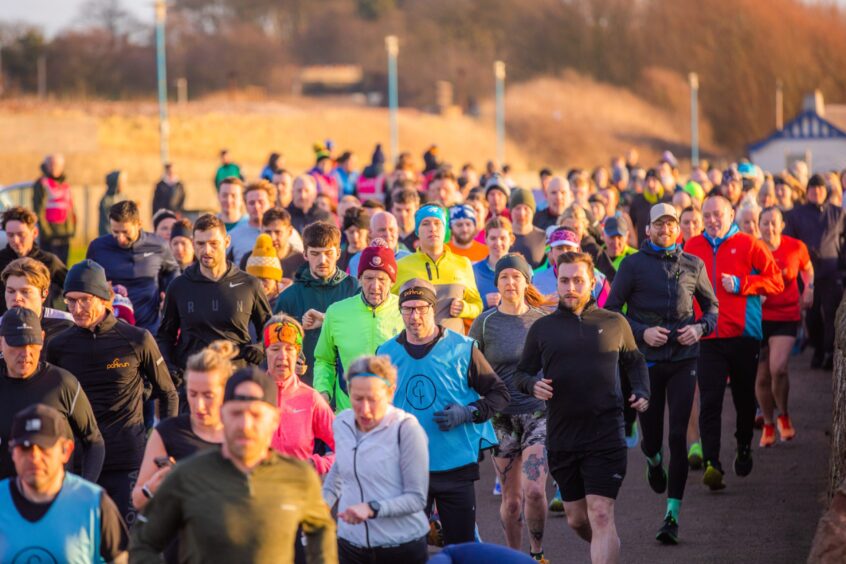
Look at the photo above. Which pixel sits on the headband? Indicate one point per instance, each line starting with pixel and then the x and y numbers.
pixel 417 293
pixel 283 332
pixel 369 375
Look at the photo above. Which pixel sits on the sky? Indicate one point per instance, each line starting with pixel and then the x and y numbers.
pixel 53 15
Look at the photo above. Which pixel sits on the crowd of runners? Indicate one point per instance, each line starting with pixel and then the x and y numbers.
pixel 317 372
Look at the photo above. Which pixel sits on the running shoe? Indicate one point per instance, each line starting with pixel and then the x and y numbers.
pixel 497 489
pixel 759 419
pixel 657 477
pixel 713 477
pixel 743 460
pixel 694 456
pixel 767 436
pixel 669 531
pixel 785 427
pixel 632 436
pixel 539 557
pixel 556 504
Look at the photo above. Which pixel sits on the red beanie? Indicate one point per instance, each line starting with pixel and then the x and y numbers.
pixel 378 258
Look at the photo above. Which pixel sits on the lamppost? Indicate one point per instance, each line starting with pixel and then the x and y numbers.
pixel 161 71
pixel 392 46
pixel 499 73
pixel 694 119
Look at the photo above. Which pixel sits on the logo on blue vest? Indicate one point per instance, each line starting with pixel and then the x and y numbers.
pixel 34 555
pixel 420 392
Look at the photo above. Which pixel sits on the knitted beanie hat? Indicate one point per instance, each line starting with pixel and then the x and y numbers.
pixel 264 263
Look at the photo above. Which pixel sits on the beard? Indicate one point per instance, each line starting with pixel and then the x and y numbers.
pixel 572 304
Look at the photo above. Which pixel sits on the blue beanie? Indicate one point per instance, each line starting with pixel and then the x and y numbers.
pixel 431 210
pixel 90 278
pixel 462 211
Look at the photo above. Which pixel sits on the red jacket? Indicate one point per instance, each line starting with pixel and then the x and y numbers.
pixel 304 416
pixel 751 262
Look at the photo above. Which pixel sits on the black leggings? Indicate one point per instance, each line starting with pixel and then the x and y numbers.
pixel 735 358
pixel 413 552
pixel 673 382
pixel 456 500
pixel 820 318
pixel 118 484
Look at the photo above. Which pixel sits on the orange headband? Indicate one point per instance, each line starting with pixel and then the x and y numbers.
pixel 285 332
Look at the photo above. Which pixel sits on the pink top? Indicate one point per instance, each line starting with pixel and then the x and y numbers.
pixel 304 416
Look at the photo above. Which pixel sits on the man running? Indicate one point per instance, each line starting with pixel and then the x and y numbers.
pixel 447 384
pixel 20 226
pixel 658 286
pixel 452 275
pixel 580 348
pixel 25 381
pixel 213 299
pixel 374 313
pixel 50 515
pixel 241 502
pixel 741 269
pixel 137 260
pixel 112 360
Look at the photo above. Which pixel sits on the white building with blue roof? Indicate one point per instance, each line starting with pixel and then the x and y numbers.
pixel 817 136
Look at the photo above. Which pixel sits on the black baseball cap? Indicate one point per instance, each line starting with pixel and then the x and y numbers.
pixel 615 226
pixel 250 374
pixel 21 327
pixel 39 425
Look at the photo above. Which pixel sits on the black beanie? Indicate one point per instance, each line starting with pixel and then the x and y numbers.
pixel 515 261
pixel 90 278
pixel 179 229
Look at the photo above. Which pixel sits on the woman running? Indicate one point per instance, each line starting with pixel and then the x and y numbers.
pixel 520 458
pixel 781 315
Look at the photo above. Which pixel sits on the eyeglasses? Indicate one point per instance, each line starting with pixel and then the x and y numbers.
pixel 84 303
pixel 420 310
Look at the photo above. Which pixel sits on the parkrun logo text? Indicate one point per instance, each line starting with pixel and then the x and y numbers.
pixel 116 363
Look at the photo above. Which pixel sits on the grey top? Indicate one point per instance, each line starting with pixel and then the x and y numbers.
pixel 501 338
pixel 243 240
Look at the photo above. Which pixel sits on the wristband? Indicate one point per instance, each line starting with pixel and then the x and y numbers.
pixel 146 491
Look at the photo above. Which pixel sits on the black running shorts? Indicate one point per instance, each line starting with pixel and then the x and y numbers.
pixel 580 473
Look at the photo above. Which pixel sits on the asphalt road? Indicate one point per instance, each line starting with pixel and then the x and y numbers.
pixel 768 517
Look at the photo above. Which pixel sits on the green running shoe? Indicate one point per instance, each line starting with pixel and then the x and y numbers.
pixel 694 456
pixel 713 477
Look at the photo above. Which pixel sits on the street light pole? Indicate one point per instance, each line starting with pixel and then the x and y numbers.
pixel 499 73
pixel 392 46
pixel 161 68
pixel 694 119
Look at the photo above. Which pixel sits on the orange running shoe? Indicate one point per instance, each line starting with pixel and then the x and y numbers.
pixel 768 436
pixel 785 428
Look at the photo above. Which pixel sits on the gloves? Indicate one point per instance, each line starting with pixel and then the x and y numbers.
pixel 253 354
pixel 452 416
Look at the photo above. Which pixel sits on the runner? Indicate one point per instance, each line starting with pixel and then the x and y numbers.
pixel 276 222
pixel 579 349
pixel 84 524
pixel 520 458
pixel 529 240
pixel 265 265
pixel 52 202
pixel 690 223
pixel 374 313
pixel 498 238
pixel 404 205
pixel 452 275
pixel 463 225
pixel 781 314
pixel 230 197
pixel 270 494
pixel 615 235
pixel 180 437
pixel 656 288
pixel 563 240
pixel 20 226
pixel 317 284
pixel 112 361
pixel 558 198
pixel 27 283
pixel 304 414
pixel 384 226
pixel 211 300
pixel 379 480
pixel 740 269
pixel 137 260
pixel 24 381
pixel 446 383
pixel 258 199
pixel 181 244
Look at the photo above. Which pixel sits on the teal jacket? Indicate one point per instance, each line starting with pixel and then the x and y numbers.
pixel 308 292
pixel 352 328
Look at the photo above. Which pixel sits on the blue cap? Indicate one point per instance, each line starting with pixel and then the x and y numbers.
pixel 615 226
